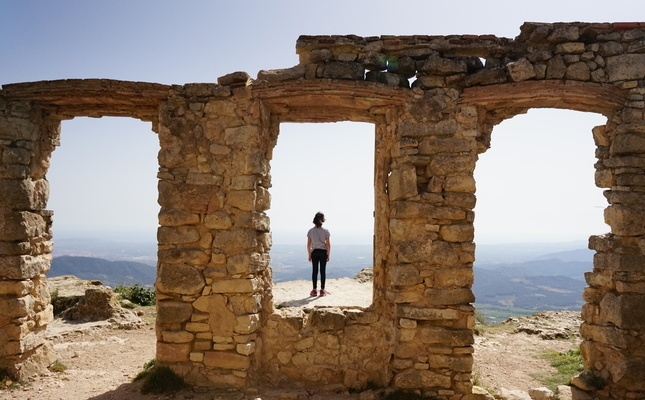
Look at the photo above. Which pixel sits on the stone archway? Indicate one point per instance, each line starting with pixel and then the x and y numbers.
pixel 215 323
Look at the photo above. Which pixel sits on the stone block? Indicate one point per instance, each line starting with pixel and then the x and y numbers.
pixel 403 275
pixel 521 70
pixel 625 67
pixel 344 70
pixel 177 218
pixel 21 226
pixel 625 220
pixel 177 336
pixel 279 75
pixel 226 360
pixel 402 182
pixel 428 313
pixel 415 379
pixel 235 240
pixel 624 310
pixel 179 279
pixel 168 353
pixel 173 312
pixel 247 324
pixel 435 65
pixel 236 286
pixel 446 337
pixel 21 267
pixel 327 319
pixel 457 233
pixel 23 194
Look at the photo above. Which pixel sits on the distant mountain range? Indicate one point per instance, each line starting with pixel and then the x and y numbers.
pixel 110 273
pixel 509 280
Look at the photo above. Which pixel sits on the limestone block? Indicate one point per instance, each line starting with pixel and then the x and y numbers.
pixel 168 217
pixel 327 319
pixel 413 251
pixel 197 327
pixel 24 266
pixel 514 394
pixel 246 324
pixel 177 336
pixel 435 296
pixel 173 312
pixel 457 233
pixel 627 143
pixel 177 235
pixel 450 164
pixel 413 379
pixel 578 71
pixel 452 277
pixel 304 344
pixel 235 240
pixel 16 288
pixel 624 310
pixel 18 226
pixel 226 360
pixel 625 220
pixel 435 65
pixel 245 135
pixel 23 194
pixel 446 337
pixel 242 199
pixel 462 184
pixel 173 352
pixel 443 254
pixel 446 145
pixel 302 360
pixel 402 182
pixel 488 76
pixel 236 286
pixel 180 279
pixel 221 320
pixel 279 75
pixel 245 348
pixel 625 67
pixel 403 274
pixel 344 70
pixel 541 393
pixel 407 294
pixel 428 313
pixel 521 70
pixel 184 256
pixel 284 357
pixel 196 356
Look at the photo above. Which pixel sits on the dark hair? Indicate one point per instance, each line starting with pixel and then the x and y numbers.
pixel 319 219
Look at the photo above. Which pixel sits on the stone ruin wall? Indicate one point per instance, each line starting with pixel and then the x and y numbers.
pixel 433 101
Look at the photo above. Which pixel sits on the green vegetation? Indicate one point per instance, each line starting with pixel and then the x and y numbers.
pixel 159 379
pixel 140 295
pixel 57 366
pixel 6 383
pixel 567 365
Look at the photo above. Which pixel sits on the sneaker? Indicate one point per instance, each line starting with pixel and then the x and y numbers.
pixel 322 293
pixel 313 293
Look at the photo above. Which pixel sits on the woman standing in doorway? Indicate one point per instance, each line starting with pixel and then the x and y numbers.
pixel 318 251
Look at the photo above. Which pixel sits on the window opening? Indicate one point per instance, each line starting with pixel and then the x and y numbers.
pixel 537 204
pixel 326 167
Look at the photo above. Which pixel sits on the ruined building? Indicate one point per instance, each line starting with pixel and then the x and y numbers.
pixel 433 101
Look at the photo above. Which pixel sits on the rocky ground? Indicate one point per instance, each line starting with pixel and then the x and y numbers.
pixel 101 359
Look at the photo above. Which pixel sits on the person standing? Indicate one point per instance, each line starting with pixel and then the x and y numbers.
pixel 318 251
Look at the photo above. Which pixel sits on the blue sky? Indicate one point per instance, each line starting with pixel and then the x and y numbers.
pixel 534 184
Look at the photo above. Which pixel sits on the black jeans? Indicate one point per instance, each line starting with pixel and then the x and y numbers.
pixel 318 258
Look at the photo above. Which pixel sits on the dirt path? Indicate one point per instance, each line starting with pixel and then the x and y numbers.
pixel 101 361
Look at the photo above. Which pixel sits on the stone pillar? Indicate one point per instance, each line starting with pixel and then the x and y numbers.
pixel 614 325
pixel 213 238
pixel 26 142
pixel 431 193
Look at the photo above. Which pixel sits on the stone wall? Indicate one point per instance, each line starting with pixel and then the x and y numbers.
pixel 433 101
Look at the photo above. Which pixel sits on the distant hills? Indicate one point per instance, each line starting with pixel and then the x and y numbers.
pixel 110 273
pixel 513 279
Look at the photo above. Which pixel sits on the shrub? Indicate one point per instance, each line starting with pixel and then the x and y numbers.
pixel 140 295
pixel 159 379
pixel 57 366
pixel 567 364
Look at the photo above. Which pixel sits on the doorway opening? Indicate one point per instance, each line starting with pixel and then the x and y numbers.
pixel 537 205
pixel 327 167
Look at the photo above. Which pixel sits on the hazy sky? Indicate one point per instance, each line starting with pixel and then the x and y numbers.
pixel 534 184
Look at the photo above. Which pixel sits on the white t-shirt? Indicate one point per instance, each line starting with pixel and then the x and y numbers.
pixel 318 237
